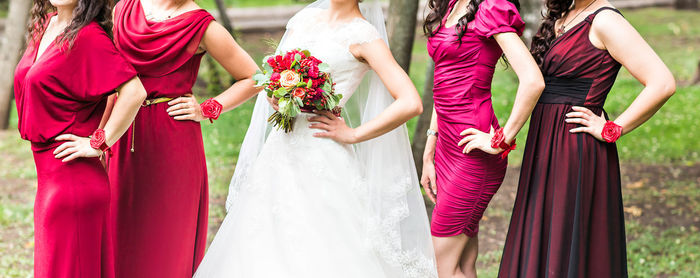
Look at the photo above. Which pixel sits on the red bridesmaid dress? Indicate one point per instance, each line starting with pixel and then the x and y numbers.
pixel 568 218
pixel 158 169
pixel 65 91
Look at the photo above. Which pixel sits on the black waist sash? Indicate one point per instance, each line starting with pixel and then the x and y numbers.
pixel 565 91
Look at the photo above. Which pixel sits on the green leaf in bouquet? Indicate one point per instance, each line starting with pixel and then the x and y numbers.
pixel 266 67
pixel 298 101
pixel 306 53
pixel 324 67
pixel 284 105
pixel 269 93
pixel 301 84
pixel 309 84
pixel 260 79
pixel 280 93
pixel 294 110
pixel 297 57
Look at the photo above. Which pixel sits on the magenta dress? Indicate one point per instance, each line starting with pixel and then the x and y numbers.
pixel 462 93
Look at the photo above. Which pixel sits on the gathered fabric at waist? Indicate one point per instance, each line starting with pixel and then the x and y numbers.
pixel 565 90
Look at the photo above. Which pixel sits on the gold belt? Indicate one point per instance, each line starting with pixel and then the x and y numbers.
pixel 146 103
pixel 155 101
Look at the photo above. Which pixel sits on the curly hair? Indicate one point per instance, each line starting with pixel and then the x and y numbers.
pixel 439 10
pixel 546 34
pixel 85 12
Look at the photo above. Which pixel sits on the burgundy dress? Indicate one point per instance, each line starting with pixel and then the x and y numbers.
pixel 568 220
pixel 65 91
pixel 158 170
pixel 463 73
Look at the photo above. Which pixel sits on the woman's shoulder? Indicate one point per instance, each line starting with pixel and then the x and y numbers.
pixel 498 6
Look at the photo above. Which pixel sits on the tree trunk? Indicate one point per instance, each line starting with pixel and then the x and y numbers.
pixel 419 136
pixel 531 11
pixel 696 79
pixel 10 52
pixel 686 4
pixel 223 16
pixel 401 27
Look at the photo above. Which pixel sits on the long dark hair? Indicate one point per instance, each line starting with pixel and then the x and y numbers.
pixel 546 34
pixel 85 12
pixel 439 10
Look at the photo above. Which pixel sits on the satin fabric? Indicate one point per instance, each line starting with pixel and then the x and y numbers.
pixel 160 190
pixel 463 73
pixel 65 91
pixel 568 216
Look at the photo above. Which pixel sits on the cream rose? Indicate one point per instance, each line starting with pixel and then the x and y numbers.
pixel 289 79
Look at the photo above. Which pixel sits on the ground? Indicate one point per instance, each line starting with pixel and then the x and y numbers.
pixel 660 160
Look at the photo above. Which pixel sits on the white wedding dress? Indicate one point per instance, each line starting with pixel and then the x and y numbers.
pixel 303 206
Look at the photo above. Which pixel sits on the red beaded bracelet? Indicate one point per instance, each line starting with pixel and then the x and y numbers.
pixel 499 142
pixel 611 132
pixel 211 109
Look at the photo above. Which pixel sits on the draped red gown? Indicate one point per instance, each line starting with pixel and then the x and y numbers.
pixel 568 217
pixel 65 91
pixel 160 189
pixel 463 73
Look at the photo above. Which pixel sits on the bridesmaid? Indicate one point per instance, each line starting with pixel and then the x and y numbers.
pixel 159 173
pixel 61 87
pixel 568 217
pixel 465 164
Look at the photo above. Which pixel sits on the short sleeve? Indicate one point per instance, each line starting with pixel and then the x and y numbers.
pixel 98 69
pixel 498 16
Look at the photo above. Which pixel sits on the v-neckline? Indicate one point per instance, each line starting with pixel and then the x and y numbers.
pixel 38 56
pixel 447 18
pixel 143 14
pixel 560 38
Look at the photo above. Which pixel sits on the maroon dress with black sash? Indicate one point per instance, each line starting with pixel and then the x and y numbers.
pixel 568 217
pixel 158 171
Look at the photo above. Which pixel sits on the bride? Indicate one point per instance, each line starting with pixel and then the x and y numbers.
pixel 336 197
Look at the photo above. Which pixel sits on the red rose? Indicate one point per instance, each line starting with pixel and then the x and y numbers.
pixel 299 92
pixel 275 77
pixel 97 139
pixel 211 109
pixel 611 132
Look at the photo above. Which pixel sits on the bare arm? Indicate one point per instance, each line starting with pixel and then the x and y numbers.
pixel 407 102
pixel 224 49
pixel 625 44
pixel 131 95
pixel 108 110
pixel 428 174
pixel 531 84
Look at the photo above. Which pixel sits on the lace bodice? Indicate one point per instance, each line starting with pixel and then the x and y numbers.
pixel 331 44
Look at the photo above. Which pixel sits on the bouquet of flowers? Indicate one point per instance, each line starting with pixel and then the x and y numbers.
pixel 300 82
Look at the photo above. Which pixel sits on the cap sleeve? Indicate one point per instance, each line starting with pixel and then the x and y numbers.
pixel 498 16
pixel 361 31
pixel 97 67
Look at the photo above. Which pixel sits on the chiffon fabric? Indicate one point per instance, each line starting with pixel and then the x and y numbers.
pixel 65 91
pixel 462 94
pixel 158 170
pixel 568 217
